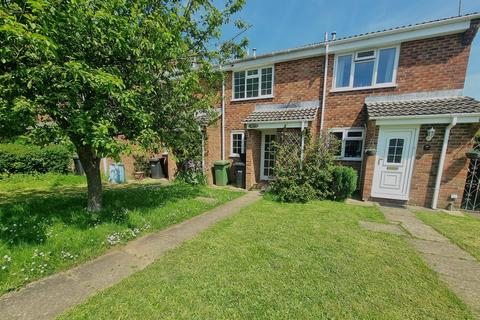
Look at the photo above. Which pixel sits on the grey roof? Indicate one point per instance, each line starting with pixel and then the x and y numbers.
pixel 422 106
pixel 473 15
pixel 285 114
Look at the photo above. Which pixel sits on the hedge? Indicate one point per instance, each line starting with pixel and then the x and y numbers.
pixel 16 158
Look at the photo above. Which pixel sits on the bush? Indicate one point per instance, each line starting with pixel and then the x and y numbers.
pixel 141 163
pixel 317 177
pixel 191 177
pixel 344 182
pixel 191 172
pixel 319 165
pixel 286 189
pixel 15 158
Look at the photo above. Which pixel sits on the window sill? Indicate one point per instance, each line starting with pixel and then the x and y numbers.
pixel 364 88
pixel 349 159
pixel 234 156
pixel 253 98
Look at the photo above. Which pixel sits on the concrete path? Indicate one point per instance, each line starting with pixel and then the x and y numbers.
pixel 457 268
pixel 50 297
pixel 382 227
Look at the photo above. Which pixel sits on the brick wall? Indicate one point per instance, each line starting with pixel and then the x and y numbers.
pixel 213 148
pixel 424 65
pixel 456 163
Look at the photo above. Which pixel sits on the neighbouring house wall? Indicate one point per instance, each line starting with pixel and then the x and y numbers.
pixel 368 164
pixel 253 157
pixel 456 164
pixel 213 148
pixel 294 81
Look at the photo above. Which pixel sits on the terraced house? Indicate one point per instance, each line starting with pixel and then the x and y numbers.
pixel 393 97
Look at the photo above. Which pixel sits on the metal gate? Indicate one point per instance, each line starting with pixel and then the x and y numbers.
pixel 471 194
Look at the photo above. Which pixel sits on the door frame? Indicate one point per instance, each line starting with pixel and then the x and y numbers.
pixel 262 154
pixel 409 166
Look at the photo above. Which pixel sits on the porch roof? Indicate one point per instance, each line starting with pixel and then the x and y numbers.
pixel 299 111
pixel 440 103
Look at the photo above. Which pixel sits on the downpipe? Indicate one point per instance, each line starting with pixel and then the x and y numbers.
pixel 441 163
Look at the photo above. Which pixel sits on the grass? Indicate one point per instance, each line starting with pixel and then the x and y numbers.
pixel 48 181
pixel 463 231
pixel 283 261
pixel 45 230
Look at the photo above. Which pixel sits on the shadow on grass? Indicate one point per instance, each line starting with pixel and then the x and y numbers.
pixel 25 216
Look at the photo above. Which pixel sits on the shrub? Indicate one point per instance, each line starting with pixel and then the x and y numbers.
pixel 300 181
pixel 191 172
pixel 15 158
pixel 344 182
pixel 141 163
pixel 319 165
pixel 286 189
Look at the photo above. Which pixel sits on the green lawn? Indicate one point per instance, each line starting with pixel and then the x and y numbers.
pixel 463 231
pixel 47 229
pixel 283 261
pixel 49 181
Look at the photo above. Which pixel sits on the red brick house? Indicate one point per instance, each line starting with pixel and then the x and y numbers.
pixel 396 93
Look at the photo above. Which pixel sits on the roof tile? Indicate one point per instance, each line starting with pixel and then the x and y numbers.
pixel 437 106
pixel 281 115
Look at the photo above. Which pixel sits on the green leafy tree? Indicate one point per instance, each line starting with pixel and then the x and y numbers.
pixel 109 73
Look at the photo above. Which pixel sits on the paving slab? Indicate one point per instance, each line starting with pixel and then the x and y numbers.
pixel 444 249
pixel 382 227
pixel 52 296
pixel 456 267
pixel 467 290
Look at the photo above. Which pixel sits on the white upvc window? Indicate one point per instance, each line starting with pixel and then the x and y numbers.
pixel 351 143
pixel 237 143
pixel 253 83
pixel 373 68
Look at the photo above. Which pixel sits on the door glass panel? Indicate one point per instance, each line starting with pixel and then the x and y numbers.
pixel 395 150
pixel 269 155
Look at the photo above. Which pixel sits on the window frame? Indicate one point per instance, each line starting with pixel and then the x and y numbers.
pixel 241 132
pixel 355 60
pixel 259 76
pixel 345 137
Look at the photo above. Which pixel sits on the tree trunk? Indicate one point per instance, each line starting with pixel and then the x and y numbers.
pixel 91 166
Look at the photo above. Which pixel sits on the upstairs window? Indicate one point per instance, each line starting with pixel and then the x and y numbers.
pixel 350 143
pixel 365 69
pixel 254 83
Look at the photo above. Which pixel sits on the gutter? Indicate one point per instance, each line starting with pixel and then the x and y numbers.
pixel 441 163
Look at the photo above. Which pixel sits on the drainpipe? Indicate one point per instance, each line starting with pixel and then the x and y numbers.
pixel 223 119
pixel 441 162
pixel 303 144
pixel 325 76
pixel 203 150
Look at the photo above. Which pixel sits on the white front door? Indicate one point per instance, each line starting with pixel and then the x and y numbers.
pixel 395 157
pixel 268 155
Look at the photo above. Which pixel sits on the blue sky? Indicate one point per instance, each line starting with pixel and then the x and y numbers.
pixel 281 24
